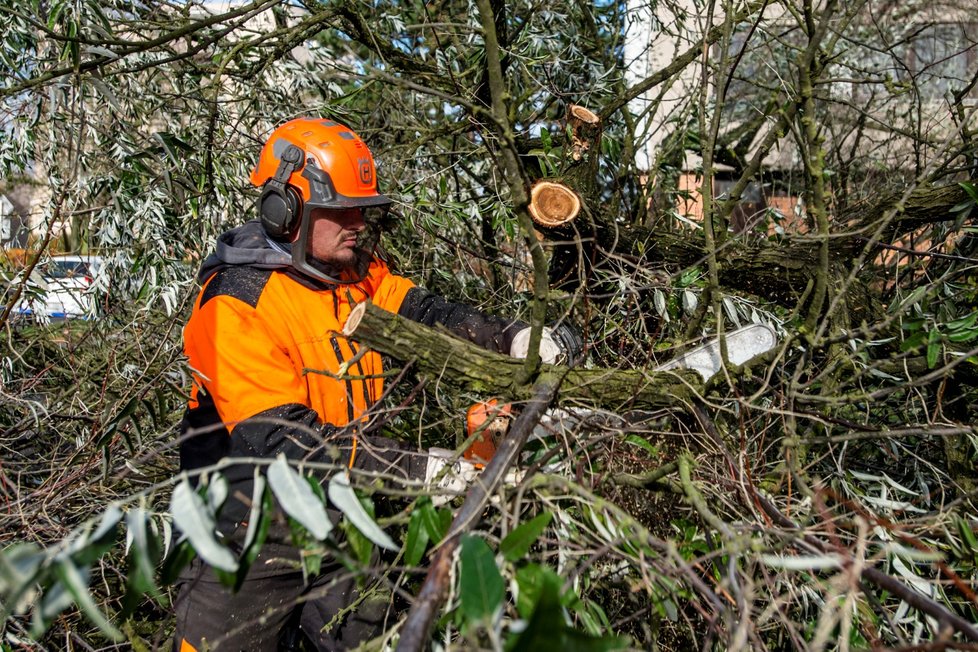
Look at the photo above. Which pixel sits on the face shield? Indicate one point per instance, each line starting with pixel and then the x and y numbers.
pixel 337 245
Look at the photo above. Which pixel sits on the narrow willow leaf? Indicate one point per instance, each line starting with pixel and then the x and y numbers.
pixel 659 299
pixel 87 548
pixel 255 514
pixel 259 522
pixel 56 599
pixel 530 580
pixel 191 516
pixel 434 522
pixel 547 629
pixel 143 555
pixel 933 348
pixel 107 524
pixel 802 562
pixel 481 587
pixel 361 547
pixel 417 539
pixel 20 566
pixel 342 495
pixel 731 310
pixel 517 543
pixel 297 498
pixel 217 492
pixel 77 584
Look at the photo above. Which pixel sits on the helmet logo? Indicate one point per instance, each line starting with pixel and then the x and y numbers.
pixel 366 169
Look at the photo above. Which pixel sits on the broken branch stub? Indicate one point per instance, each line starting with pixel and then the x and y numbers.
pixel 580 114
pixel 585 130
pixel 553 204
pixel 354 319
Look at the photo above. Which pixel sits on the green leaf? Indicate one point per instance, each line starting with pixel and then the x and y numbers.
pixel 962 336
pixel 56 599
pixel 912 342
pixel 144 553
pixel 968 539
pixel 259 521
pixel 642 443
pixel 912 324
pixel 435 523
pixel 342 495
pixel 180 555
pixel 312 563
pixel 297 498
pixel 963 323
pixel 191 516
pixel 517 543
pixel 104 89
pixel 104 534
pixel 933 347
pixel 360 545
pixel 115 424
pixel 546 140
pixel 88 548
pixel 971 189
pixel 530 579
pixel 217 492
pixel 481 586
pixel 76 582
pixel 20 568
pixel 548 630
pixel 417 539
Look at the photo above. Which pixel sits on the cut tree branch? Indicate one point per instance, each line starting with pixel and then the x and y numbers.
pixel 440 355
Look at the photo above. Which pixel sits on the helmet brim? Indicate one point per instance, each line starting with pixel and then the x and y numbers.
pixel 342 201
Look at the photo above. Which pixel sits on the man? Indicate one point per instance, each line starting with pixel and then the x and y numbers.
pixel 264 345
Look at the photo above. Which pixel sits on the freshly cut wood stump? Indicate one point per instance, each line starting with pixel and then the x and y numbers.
pixel 553 204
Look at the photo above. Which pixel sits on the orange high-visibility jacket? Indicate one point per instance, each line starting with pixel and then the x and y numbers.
pixel 264 347
pixel 258 340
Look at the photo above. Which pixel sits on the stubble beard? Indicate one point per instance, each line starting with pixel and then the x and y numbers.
pixel 341 257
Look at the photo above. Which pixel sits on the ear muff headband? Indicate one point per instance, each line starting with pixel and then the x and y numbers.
pixel 280 205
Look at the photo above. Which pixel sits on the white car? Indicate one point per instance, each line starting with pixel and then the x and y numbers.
pixel 62 287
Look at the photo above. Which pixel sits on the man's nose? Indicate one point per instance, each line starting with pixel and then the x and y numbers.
pixel 355 220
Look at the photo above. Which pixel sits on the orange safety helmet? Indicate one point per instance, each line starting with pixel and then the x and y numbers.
pixel 312 163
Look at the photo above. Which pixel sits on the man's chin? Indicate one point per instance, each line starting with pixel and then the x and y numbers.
pixel 341 263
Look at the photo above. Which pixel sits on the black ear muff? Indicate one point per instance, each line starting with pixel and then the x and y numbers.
pixel 280 209
pixel 280 205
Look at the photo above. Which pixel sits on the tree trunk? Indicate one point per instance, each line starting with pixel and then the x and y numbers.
pixel 779 272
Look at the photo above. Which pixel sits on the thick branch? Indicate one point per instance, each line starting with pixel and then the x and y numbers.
pixel 553 204
pixel 778 271
pixel 925 205
pixel 443 356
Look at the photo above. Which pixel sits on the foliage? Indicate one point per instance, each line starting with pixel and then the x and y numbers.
pixel 824 498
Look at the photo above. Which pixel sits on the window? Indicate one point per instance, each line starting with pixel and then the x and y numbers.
pixel 941 57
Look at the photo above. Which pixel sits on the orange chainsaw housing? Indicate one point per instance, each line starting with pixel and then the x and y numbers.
pixel 487 422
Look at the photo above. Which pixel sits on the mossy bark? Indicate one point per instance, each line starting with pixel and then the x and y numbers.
pixel 440 355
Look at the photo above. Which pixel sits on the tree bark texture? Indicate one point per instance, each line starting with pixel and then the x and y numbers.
pixel 779 272
pixel 442 356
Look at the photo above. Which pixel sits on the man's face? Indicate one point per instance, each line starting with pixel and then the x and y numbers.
pixel 333 235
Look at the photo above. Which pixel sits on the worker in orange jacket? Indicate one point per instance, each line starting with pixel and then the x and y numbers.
pixel 266 352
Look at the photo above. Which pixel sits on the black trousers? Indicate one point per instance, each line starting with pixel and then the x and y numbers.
pixel 272 601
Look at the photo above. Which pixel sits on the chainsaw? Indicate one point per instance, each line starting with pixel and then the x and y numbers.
pixel 487 422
